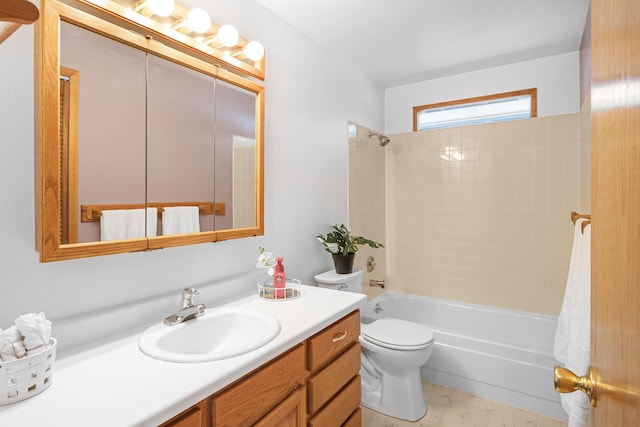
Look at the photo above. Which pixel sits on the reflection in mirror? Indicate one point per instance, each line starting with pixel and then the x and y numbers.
pixel 111 122
pixel 236 155
pixel 180 144
pixel 125 122
pixel 69 86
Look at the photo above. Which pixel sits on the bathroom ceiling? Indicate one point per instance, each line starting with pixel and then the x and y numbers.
pixel 404 41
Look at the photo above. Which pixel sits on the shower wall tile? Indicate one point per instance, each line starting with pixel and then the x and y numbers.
pixel 481 213
pixel 367 204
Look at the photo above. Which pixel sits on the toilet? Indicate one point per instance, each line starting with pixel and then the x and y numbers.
pixel 393 351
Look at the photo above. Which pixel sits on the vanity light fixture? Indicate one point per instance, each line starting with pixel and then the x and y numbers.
pixel 192 29
pixel 13 14
pixel 254 50
pixel 227 36
pixel 198 20
pixel 148 8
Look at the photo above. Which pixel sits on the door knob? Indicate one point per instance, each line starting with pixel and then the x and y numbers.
pixel 566 381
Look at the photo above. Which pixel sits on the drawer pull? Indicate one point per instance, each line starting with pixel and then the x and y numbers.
pixel 339 337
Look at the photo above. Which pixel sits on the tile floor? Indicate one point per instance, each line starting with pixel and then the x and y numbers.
pixel 452 408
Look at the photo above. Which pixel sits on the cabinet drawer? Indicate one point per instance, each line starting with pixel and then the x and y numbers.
pixel 355 420
pixel 254 396
pixel 196 416
pixel 333 377
pixel 340 408
pixel 334 339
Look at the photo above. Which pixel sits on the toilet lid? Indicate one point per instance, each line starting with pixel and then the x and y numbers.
pixel 398 334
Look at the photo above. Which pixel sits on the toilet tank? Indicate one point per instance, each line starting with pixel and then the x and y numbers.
pixel 351 282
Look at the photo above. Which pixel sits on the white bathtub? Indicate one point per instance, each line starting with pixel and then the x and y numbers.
pixel 499 354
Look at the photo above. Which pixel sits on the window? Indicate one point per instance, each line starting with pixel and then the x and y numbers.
pixel 520 104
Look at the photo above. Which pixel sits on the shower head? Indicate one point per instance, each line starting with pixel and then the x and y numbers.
pixel 384 140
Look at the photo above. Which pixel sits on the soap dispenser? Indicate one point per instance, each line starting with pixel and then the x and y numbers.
pixel 279 279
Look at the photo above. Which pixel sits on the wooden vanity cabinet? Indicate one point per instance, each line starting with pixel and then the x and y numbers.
pixel 250 400
pixel 315 384
pixel 196 416
pixel 333 388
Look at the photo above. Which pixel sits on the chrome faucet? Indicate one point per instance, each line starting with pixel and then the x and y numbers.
pixel 187 309
pixel 377 308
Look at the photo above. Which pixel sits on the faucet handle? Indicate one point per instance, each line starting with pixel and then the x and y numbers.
pixel 186 298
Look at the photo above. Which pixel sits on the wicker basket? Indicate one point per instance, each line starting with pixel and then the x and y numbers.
pixel 23 378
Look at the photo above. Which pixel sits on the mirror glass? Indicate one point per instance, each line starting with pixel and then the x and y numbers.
pixel 235 156
pixel 128 123
pixel 181 138
pixel 110 124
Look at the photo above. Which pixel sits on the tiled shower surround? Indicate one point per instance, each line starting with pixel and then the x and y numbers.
pixel 367 202
pixel 479 213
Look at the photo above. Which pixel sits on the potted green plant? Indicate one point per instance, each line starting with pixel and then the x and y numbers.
pixel 343 247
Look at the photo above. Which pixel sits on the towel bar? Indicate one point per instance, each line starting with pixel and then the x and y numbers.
pixel 92 213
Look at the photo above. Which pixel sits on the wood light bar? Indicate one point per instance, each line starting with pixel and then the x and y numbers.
pixel 15 13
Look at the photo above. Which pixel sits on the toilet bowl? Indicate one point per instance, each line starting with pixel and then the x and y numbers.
pixel 393 351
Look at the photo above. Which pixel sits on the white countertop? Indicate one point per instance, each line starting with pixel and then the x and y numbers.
pixel 115 384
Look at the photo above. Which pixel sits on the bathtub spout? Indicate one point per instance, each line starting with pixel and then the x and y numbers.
pixel 374 283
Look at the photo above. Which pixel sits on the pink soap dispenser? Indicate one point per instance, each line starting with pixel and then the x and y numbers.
pixel 279 279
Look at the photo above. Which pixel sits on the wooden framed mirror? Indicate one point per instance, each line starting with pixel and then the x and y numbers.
pixel 124 122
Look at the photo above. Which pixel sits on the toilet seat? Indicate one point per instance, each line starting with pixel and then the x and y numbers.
pixel 398 334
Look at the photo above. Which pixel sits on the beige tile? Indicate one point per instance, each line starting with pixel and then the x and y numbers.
pixel 452 408
pixel 514 179
pixel 500 415
pixel 550 422
pixel 523 418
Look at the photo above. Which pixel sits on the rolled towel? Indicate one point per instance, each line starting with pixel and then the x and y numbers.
pixel 35 330
pixel 11 346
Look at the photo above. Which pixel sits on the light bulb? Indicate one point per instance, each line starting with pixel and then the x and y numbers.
pixel 254 50
pixel 228 35
pixel 198 20
pixel 161 7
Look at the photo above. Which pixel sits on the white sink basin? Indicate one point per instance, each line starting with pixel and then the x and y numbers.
pixel 220 333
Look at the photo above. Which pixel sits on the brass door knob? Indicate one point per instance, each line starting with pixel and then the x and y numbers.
pixel 566 381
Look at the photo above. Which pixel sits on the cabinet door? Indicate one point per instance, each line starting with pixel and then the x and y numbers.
pixel 196 416
pixel 290 413
pixel 249 399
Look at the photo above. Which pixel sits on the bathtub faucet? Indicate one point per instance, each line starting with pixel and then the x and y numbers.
pixel 374 283
pixel 377 308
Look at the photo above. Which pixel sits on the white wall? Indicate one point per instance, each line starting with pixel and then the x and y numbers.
pixel 309 100
pixel 556 77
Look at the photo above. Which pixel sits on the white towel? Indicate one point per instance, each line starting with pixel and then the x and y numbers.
pixel 35 330
pixel 573 335
pixel 11 346
pixel 180 220
pixel 120 224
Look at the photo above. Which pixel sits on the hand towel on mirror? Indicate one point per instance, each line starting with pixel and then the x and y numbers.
pixel 118 224
pixel 180 220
